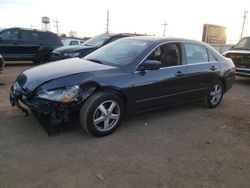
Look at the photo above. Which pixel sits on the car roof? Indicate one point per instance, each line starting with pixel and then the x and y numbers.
pixel 163 39
pixel 28 29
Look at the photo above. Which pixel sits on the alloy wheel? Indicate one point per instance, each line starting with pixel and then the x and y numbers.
pixel 216 94
pixel 106 115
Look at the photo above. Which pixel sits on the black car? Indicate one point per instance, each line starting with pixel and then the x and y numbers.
pixel 87 47
pixel 1 63
pixel 129 76
pixel 240 54
pixel 17 44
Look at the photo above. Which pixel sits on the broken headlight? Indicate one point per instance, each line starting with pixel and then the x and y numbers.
pixel 64 95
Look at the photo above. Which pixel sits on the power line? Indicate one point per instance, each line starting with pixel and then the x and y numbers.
pixel 107 22
pixel 57 26
pixel 243 24
pixel 164 28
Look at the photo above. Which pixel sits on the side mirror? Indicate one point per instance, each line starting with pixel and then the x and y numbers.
pixel 149 65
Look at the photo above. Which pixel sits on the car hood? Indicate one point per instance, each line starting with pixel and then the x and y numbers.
pixel 72 48
pixel 34 77
pixel 237 52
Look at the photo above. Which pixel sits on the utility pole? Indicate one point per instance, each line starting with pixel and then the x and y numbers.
pixel 107 24
pixel 57 25
pixel 243 24
pixel 164 28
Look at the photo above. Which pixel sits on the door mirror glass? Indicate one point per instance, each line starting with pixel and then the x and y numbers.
pixel 149 65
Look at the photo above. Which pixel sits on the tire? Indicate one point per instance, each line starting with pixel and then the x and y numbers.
pixel 214 94
pixel 101 114
pixel 44 57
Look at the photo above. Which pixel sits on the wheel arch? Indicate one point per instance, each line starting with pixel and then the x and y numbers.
pixel 93 87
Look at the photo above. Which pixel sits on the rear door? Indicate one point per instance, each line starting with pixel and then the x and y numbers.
pixel 18 44
pixel 202 69
pixel 28 44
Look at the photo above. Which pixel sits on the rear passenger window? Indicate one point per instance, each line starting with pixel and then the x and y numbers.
pixel 211 57
pixel 196 53
pixel 25 35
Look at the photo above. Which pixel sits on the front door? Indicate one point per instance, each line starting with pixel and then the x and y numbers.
pixel 163 87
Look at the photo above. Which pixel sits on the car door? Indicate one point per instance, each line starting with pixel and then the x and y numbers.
pixel 202 69
pixel 163 87
pixel 28 44
pixel 8 43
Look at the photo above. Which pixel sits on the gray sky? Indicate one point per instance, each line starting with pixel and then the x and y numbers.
pixel 87 18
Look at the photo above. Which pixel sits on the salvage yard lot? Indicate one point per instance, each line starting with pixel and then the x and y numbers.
pixel 184 146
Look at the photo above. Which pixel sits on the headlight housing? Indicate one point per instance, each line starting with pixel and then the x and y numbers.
pixel 63 95
pixel 71 54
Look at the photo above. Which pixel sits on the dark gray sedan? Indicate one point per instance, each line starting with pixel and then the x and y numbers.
pixel 126 77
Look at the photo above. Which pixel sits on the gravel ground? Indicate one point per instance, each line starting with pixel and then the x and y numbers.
pixel 184 146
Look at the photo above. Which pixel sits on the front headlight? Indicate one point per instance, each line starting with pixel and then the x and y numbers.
pixel 64 95
pixel 71 54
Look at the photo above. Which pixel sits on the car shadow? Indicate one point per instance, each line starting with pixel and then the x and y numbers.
pixel 18 63
pixel 242 80
pixel 130 124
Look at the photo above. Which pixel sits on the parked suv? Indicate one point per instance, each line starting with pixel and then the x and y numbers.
pixel 27 44
pixel 240 54
pixel 87 47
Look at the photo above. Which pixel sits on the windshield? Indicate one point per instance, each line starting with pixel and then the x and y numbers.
pixel 96 41
pixel 119 53
pixel 244 44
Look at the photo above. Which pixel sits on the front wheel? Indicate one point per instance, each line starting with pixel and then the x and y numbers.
pixel 101 114
pixel 214 95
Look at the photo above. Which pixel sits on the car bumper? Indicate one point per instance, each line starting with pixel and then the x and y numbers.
pixel 54 56
pixel 242 71
pixel 55 113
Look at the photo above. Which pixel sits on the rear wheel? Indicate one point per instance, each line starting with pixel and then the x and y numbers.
pixel 43 57
pixel 214 95
pixel 101 114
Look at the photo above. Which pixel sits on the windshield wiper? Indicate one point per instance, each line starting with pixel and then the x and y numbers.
pixel 95 60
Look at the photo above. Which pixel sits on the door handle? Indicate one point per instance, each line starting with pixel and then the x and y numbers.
pixel 213 68
pixel 179 73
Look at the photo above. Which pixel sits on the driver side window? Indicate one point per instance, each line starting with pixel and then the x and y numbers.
pixel 167 54
pixel 10 35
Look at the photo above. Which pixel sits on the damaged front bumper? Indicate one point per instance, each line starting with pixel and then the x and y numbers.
pixel 54 112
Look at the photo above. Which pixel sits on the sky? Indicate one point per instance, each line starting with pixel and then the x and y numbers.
pixel 88 18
